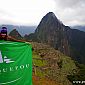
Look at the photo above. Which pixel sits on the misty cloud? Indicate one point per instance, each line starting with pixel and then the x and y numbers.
pixel 24 12
pixel 30 12
pixel 70 3
pixel 71 12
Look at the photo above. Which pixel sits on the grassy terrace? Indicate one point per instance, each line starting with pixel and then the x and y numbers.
pixel 52 64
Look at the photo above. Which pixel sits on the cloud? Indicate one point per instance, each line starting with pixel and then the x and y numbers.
pixel 30 12
pixel 24 12
pixel 71 12
pixel 69 3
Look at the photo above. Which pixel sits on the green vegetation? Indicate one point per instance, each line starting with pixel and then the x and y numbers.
pixel 52 64
pixel 40 73
pixel 79 75
pixel 60 64
pixel 35 55
pixel 38 61
pixel 68 65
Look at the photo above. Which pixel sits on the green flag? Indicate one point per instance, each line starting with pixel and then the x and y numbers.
pixel 15 63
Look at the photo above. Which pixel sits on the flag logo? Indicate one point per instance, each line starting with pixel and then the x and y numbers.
pixel 6 60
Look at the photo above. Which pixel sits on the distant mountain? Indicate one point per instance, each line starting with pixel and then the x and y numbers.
pixel 15 34
pixel 53 32
pixel 81 28
pixel 22 29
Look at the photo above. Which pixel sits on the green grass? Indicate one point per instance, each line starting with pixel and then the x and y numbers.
pixel 68 65
pixel 39 62
pixel 35 55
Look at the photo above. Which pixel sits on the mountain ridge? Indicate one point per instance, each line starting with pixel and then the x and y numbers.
pixel 79 27
pixel 53 32
pixel 22 29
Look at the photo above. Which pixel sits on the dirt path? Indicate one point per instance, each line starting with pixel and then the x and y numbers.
pixel 43 81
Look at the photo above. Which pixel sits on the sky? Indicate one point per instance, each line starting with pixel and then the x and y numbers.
pixel 30 12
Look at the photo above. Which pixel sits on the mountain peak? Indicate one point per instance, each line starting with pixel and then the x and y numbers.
pixel 51 14
pixel 15 34
pixel 52 31
pixel 49 22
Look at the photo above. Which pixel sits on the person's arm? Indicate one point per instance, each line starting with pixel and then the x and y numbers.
pixel 13 39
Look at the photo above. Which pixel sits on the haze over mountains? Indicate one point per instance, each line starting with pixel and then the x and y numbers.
pixel 21 29
pixel 81 28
